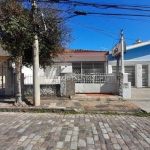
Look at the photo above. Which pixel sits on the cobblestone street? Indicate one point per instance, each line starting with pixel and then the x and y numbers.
pixel 31 131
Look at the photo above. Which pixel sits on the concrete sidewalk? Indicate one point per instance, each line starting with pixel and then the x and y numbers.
pixel 141 98
pixel 79 103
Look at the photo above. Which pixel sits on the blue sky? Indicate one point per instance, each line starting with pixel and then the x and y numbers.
pixel 86 29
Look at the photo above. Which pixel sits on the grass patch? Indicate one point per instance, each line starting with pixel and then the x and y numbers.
pixel 139 113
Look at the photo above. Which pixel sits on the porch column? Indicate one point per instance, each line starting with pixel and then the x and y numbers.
pixel 148 75
pixel 138 75
pixel 106 67
pixel 109 69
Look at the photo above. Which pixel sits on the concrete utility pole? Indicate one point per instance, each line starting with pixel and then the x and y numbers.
pixel 36 85
pixel 122 52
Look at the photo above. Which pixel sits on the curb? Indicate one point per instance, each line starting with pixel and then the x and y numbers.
pixel 40 109
pixel 70 110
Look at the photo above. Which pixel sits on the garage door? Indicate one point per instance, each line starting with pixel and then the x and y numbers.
pixel 145 75
pixel 131 74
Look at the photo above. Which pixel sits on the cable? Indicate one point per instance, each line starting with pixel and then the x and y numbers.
pixel 95 29
pixel 111 23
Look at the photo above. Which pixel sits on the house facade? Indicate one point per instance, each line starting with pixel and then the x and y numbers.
pixel 83 62
pixel 86 67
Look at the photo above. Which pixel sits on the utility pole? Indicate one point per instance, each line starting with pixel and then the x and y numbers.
pixel 122 52
pixel 36 85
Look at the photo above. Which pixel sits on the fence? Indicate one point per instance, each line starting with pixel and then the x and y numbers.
pixel 48 86
pixel 44 80
pixel 98 78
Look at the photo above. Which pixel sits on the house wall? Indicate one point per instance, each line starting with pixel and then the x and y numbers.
pixel 96 88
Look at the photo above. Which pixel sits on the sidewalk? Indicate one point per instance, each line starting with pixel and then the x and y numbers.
pixel 79 103
pixel 141 98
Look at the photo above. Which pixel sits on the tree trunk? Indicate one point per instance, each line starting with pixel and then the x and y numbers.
pixel 18 80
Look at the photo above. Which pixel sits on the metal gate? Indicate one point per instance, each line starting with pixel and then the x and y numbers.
pixel 145 75
pixel 131 74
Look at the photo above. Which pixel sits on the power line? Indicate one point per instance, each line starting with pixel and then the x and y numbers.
pixel 111 23
pixel 107 33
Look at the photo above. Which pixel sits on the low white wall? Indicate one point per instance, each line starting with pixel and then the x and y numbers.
pixel 96 88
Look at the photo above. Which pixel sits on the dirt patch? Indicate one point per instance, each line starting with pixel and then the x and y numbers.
pixel 111 106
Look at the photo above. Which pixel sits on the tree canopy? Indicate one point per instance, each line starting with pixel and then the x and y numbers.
pixel 17 30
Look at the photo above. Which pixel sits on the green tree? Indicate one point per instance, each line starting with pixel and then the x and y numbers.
pixel 17 30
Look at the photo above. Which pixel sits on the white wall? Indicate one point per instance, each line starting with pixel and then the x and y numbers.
pixel 96 88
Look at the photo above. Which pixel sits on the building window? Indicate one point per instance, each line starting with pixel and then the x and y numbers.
pixel 88 68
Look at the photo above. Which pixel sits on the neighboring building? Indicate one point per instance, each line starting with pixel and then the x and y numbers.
pixel 137 64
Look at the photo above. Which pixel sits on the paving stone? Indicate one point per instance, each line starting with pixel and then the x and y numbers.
pixel 22 138
pixel 144 144
pixel 75 133
pixel 68 137
pixel 29 147
pixel 96 138
pixel 106 136
pixel 100 123
pixel 36 138
pixel 81 143
pixel 143 135
pixel 102 127
pixel 76 128
pixel 147 140
pixel 21 130
pixel 87 120
pixel 106 125
pixel 104 131
pixel 108 129
pixel 41 140
pixel 59 145
pixel 116 146
pixel 74 138
pixel 73 145
pixel 59 128
pixel 117 136
pixel 90 147
pixel 31 136
pixel 95 132
pixel 53 129
pixel 26 142
pixel 90 140
pixel 69 132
